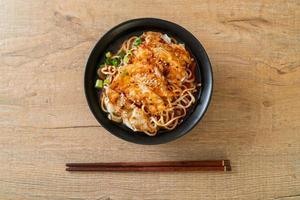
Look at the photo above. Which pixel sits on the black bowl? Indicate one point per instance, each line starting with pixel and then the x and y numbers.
pixel 112 40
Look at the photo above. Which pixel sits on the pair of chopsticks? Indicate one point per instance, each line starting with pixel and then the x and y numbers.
pixel 164 166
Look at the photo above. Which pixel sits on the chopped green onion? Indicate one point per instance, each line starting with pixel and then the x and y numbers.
pixel 108 61
pixel 102 65
pixel 137 42
pixel 122 54
pixel 115 62
pixel 106 82
pixel 108 55
pixel 126 59
pixel 99 84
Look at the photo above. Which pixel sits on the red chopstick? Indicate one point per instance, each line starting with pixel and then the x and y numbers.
pixel 164 166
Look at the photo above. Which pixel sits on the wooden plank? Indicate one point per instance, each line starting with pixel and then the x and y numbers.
pixel 253 119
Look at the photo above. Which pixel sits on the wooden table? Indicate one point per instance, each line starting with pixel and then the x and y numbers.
pixel 253 119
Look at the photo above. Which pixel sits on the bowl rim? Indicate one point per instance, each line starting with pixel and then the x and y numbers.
pixel 205 104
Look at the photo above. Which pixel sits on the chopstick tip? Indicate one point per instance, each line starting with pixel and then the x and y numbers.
pixel 68 169
pixel 227 168
pixel 226 162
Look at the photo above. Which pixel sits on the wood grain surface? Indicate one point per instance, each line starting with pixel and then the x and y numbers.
pixel 253 119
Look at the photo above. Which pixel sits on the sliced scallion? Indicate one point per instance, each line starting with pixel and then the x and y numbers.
pixel 137 42
pixel 106 82
pixel 108 61
pixel 99 84
pixel 115 62
pixel 126 59
pixel 108 55
pixel 122 54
